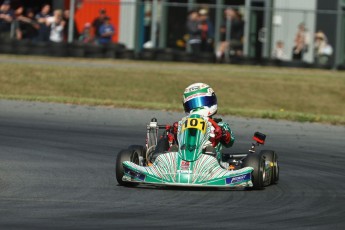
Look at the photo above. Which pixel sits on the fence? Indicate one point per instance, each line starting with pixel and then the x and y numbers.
pixel 189 31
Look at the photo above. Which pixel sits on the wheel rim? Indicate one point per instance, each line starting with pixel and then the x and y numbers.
pixel 135 158
pixel 277 171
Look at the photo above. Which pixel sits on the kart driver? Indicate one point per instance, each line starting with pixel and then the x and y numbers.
pixel 199 98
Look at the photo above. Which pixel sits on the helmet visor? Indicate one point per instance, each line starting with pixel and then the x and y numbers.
pixel 200 102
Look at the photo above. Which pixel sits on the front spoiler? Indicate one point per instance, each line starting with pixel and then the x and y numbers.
pixel 205 172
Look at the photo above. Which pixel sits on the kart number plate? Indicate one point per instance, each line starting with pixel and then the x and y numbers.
pixel 195 123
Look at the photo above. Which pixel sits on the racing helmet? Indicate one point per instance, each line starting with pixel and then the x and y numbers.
pixel 199 98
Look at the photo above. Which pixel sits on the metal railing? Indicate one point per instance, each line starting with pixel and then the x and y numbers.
pixel 267 32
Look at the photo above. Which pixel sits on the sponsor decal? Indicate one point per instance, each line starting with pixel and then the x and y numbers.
pixel 134 174
pixel 184 171
pixel 194 88
pixel 185 165
pixel 238 179
pixel 194 96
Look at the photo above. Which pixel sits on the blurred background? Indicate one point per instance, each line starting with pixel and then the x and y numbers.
pixel 309 33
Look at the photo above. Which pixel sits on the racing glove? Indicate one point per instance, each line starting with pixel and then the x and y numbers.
pixel 226 136
pixel 221 135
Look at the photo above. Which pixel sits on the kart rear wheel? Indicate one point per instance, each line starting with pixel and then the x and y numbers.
pixel 140 150
pixel 125 155
pixel 161 147
pixel 258 175
pixel 271 156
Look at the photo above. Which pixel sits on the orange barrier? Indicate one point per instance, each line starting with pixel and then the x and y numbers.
pixel 87 10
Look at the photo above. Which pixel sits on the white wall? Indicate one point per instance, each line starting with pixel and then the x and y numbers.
pixel 285 23
pixel 127 23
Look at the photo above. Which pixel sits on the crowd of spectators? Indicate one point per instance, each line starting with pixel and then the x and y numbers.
pixel 322 49
pixel 104 30
pixel 51 26
pixel 201 33
pixel 232 42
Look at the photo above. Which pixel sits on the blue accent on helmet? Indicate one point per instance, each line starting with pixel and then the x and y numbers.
pixel 200 102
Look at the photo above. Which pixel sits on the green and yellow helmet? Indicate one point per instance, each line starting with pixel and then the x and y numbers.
pixel 199 98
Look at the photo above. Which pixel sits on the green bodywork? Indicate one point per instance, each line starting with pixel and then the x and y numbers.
pixel 190 165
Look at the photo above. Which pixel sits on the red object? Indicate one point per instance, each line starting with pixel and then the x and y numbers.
pixel 258 140
pixel 185 165
pixel 87 11
pixel 217 133
pixel 175 127
pixel 227 137
pixel 170 138
pixel 220 134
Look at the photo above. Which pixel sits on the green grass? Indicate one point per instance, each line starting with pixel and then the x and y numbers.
pixel 250 91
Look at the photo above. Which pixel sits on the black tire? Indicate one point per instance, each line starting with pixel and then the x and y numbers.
pixel 271 156
pixel 161 147
pixel 125 155
pixel 258 163
pixel 139 149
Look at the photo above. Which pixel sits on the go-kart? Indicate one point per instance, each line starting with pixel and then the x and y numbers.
pixel 192 161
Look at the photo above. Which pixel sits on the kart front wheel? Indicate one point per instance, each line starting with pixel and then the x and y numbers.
pixel 258 175
pixel 125 155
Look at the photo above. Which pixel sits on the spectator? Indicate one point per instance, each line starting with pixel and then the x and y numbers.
pixel 98 22
pixel 301 43
pixel 86 36
pixel 30 26
pixel 106 32
pixel 66 14
pixel 194 32
pixel 21 23
pixel 151 18
pixel 236 31
pixel 298 49
pixel 147 20
pixel 6 18
pixel 44 29
pixel 56 25
pixel 278 52
pixel 322 50
pixel 18 21
pixel 207 31
pixel 26 26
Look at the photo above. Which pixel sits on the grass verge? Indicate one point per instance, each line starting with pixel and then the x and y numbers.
pixel 266 92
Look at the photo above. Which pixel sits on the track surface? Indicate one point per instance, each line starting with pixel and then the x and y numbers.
pixel 57 171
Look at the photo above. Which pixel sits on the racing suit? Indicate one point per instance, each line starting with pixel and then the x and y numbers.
pixel 221 136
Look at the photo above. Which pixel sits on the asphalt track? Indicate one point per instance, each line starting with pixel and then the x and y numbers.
pixel 57 172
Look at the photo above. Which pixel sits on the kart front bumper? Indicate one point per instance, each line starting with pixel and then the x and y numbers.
pixel 205 172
